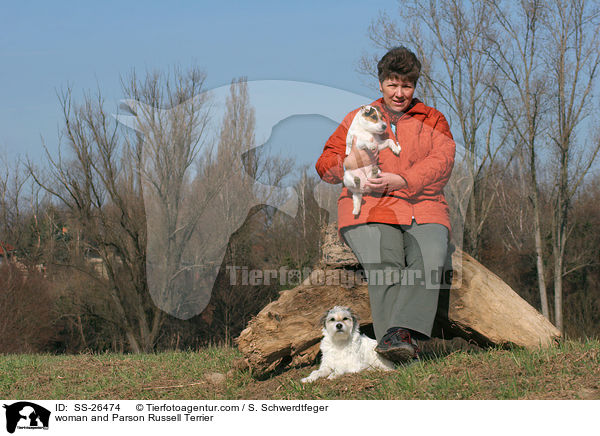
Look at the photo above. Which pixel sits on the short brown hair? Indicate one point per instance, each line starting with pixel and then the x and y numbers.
pixel 399 62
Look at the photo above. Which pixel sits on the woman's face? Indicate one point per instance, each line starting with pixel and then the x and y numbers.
pixel 397 93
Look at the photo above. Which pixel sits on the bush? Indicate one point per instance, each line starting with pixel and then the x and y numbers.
pixel 26 308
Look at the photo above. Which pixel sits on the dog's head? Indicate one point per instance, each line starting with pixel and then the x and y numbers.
pixel 370 118
pixel 339 323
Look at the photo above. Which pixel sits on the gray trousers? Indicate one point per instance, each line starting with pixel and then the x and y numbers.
pixel 403 265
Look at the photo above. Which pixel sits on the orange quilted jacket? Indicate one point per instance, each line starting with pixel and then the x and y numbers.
pixel 425 162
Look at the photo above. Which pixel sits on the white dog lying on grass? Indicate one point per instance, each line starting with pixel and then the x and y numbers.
pixel 344 349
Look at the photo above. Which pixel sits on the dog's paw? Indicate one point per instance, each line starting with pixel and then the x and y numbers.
pixel 310 378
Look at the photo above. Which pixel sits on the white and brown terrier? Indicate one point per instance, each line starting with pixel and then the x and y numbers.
pixel 365 135
pixel 344 349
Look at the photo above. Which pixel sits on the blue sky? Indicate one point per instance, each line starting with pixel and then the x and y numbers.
pixel 45 46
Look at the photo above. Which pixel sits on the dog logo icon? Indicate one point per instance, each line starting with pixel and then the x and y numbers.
pixel 26 415
pixel 274 101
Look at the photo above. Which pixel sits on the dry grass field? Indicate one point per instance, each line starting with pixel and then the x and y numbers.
pixel 570 370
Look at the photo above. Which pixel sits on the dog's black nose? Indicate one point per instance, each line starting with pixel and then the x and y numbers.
pixel 384 126
pixel 339 326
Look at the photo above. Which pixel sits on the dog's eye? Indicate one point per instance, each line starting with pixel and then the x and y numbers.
pixel 346 319
pixel 331 319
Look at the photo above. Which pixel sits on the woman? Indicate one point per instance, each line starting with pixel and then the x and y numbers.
pixel 401 234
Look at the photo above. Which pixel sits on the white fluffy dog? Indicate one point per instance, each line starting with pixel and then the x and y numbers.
pixel 344 349
pixel 366 133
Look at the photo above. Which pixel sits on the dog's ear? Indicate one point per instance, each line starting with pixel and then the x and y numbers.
pixel 355 320
pixel 323 319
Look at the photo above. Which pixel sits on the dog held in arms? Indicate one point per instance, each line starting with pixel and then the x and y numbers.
pixel 344 349
pixel 365 135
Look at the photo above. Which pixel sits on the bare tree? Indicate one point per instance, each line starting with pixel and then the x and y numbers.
pixel 172 123
pixel 13 203
pixel 238 167
pixel 251 179
pixel 102 186
pixel 572 58
pixel 547 58
pixel 516 53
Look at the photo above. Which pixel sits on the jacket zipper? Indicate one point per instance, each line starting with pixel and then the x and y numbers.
pixel 394 130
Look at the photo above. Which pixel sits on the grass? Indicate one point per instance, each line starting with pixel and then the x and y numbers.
pixel 570 370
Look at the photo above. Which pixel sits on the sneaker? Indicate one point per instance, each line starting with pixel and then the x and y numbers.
pixel 397 346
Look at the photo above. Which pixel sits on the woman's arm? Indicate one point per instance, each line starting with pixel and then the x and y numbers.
pixel 330 164
pixel 430 175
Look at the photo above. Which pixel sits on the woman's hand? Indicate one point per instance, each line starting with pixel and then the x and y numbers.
pixel 385 182
pixel 360 158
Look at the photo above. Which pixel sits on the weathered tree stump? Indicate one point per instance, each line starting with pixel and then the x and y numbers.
pixel 479 307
